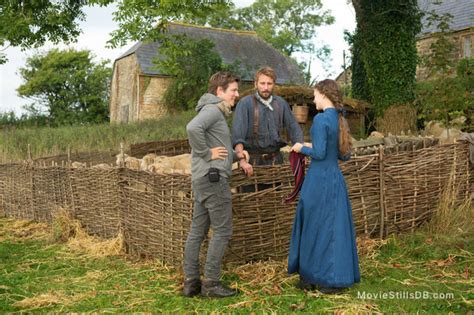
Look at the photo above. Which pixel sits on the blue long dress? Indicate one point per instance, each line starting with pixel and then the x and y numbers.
pixel 323 249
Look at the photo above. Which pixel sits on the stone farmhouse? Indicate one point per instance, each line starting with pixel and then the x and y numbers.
pixel 137 87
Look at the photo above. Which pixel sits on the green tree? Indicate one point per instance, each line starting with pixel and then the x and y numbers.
pixel 385 46
pixel 146 19
pixel 68 86
pixel 29 24
pixel 191 63
pixel 288 25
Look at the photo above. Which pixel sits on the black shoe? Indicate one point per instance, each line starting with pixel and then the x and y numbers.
pixel 303 285
pixel 211 288
pixel 192 287
pixel 331 290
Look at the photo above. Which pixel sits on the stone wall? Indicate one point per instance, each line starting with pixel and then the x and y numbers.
pixel 458 38
pixel 151 103
pixel 123 91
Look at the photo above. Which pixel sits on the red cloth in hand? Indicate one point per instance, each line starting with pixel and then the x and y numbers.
pixel 297 162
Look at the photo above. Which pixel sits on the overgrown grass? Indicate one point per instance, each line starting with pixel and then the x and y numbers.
pixel 39 276
pixel 104 137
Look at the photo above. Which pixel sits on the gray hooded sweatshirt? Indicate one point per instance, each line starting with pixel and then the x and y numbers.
pixel 208 129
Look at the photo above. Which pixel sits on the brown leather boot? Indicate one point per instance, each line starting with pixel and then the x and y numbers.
pixel 192 287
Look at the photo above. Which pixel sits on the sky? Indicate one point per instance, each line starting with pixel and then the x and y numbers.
pixel 98 25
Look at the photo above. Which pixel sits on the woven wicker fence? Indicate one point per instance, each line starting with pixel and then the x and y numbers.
pixel 390 193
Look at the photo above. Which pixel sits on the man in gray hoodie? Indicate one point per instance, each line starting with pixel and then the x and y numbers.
pixel 211 168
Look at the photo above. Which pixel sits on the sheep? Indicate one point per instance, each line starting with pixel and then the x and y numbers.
pixel 182 162
pixel 78 165
pixel 120 161
pixel 102 166
pixel 147 160
pixel 132 163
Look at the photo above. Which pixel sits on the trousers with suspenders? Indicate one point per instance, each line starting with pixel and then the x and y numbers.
pixel 262 156
pixel 258 155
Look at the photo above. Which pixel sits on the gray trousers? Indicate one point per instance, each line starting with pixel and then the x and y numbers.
pixel 212 208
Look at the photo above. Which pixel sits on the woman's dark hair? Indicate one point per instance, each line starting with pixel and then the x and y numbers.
pixel 331 90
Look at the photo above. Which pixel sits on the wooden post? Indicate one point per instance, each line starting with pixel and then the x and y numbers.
pixel 382 192
pixel 30 160
pixel 68 156
pixel 415 196
pixel 122 160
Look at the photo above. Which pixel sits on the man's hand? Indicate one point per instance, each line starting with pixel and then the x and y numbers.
pixel 297 147
pixel 248 169
pixel 245 155
pixel 219 153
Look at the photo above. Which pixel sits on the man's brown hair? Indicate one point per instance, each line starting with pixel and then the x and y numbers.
pixel 222 79
pixel 269 72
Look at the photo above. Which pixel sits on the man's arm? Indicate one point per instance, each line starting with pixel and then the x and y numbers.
pixel 196 130
pixel 239 133
pixel 240 126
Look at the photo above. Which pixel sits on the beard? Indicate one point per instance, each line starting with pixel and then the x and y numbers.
pixel 265 94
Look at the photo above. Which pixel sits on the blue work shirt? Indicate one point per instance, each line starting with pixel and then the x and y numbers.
pixel 269 126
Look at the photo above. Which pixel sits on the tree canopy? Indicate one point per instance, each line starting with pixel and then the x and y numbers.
pixel 66 86
pixel 287 25
pixel 30 24
pixel 191 62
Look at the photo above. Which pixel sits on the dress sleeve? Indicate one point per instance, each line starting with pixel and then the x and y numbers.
pixel 319 138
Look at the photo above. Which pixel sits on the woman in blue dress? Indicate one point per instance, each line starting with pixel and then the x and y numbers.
pixel 323 249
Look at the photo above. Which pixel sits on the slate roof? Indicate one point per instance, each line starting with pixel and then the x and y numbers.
pixel 247 47
pixel 461 10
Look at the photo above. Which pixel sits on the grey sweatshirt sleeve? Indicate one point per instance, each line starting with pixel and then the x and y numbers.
pixel 291 125
pixel 196 130
pixel 240 124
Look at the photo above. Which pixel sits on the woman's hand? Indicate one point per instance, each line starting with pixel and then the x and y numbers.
pixel 219 153
pixel 297 147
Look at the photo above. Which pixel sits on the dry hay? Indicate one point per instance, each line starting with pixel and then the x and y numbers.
pixel 69 230
pixel 452 216
pixel 63 227
pixel 369 247
pixel 353 308
pixel 96 247
pixel 267 277
pixel 397 119
pixel 49 299
pixel 23 229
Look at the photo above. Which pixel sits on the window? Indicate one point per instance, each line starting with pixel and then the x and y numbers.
pixel 467 46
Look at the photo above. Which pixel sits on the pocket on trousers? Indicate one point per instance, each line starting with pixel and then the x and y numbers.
pixel 224 189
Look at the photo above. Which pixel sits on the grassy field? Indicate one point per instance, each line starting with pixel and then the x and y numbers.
pixel 106 137
pixel 421 272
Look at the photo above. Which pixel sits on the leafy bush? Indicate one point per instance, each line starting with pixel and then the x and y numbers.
pixel 446 98
pixel 191 63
